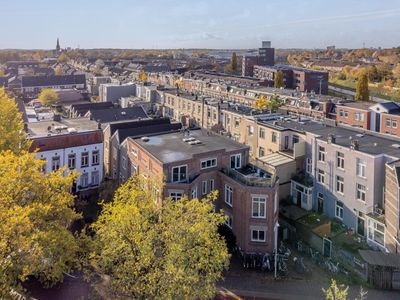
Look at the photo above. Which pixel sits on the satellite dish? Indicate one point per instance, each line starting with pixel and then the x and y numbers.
pixel 49 128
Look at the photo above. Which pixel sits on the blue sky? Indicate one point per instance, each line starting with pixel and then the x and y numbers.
pixel 222 24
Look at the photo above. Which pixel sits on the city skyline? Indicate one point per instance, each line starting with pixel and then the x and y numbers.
pixel 178 24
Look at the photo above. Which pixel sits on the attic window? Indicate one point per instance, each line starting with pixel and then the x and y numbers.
pixel 123 113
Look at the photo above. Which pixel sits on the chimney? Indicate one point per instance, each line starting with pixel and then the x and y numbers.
pixel 98 124
pixel 26 127
pixel 353 145
pixel 331 138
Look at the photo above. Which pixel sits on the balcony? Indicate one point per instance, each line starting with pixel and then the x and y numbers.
pixel 250 176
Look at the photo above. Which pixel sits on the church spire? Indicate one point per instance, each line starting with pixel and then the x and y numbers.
pixel 58 46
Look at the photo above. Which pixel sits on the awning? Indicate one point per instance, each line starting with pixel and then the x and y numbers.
pixel 378 258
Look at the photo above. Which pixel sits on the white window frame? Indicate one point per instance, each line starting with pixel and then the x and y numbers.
pixel 72 161
pixel 134 152
pixel 180 174
pixel 309 165
pixel 261 151
pixel 55 163
pixel 321 153
pixel 95 178
pixel 85 159
pixel 339 184
pixel 321 176
pixel 212 185
pixel 262 133
pixel 204 187
pixel 208 163
pixel 258 207
pixel 375 227
pixel 228 220
pixel 274 137
pixel 237 163
pixel 84 180
pixel 339 209
pixel 340 160
pixel 176 195
pixel 228 195
pixel 95 157
pixel 258 238
pixel 194 192
pixel 361 192
pixel 251 130
pixel 133 169
pixel 361 168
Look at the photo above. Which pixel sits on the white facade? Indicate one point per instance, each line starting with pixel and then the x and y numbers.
pixel 87 160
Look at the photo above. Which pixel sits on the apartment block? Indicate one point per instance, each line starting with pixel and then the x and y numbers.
pixel 392 206
pixel 197 162
pixel 75 143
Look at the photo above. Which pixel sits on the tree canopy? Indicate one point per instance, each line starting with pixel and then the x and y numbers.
pixel 335 292
pixel 234 61
pixel 58 71
pixel 63 58
pixel 36 213
pixel 12 135
pixel 362 91
pixel 143 76
pixel 151 250
pixel 278 82
pixel 48 97
pixel 261 102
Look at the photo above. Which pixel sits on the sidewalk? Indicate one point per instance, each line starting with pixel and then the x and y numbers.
pixel 256 284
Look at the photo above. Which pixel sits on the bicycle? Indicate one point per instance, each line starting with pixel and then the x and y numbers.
pixel 344 272
pixel 316 259
pixel 301 267
pixel 334 268
pixel 298 246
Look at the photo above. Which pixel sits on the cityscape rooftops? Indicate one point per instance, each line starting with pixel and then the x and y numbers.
pixel 368 142
pixel 173 147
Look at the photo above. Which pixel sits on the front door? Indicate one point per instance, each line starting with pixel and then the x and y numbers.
pixel 360 225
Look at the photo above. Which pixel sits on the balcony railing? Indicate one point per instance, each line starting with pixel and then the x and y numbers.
pixel 249 178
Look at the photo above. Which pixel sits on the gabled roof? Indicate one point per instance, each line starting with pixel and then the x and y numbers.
pixel 147 130
pixel 390 106
pixel 32 81
pixel 136 124
pixel 113 115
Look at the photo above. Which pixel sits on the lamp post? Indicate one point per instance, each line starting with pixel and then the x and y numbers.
pixel 276 245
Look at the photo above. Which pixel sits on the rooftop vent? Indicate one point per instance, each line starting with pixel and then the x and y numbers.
pixel 72 130
pixel 144 138
pixel 396 146
pixel 123 113
pixel 360 135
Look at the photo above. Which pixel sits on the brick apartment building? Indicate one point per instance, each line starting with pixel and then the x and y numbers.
pixel 300 79
pixel 198 162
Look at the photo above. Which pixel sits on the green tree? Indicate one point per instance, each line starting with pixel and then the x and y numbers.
pixel 372 72
pixel 154 250
pixel 35 209
pixel 234 61
pixel 48 97
pixel 12 135
pixel 362 91
pixel 335 292
pixel 63 58
pixel 274 103
pixel 278 82
pixel 39 55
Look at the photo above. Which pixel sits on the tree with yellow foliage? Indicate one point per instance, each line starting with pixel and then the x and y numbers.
pixel 12 135
pixel 158 250
pixel 63 58
pixel 48 97
pixel 142 76
pixel 58 71
pixel 261 102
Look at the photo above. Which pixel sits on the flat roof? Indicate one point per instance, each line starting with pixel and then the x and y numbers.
pixel 371 142
pixel 357 104
pixel 40 129
pixel 170 147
